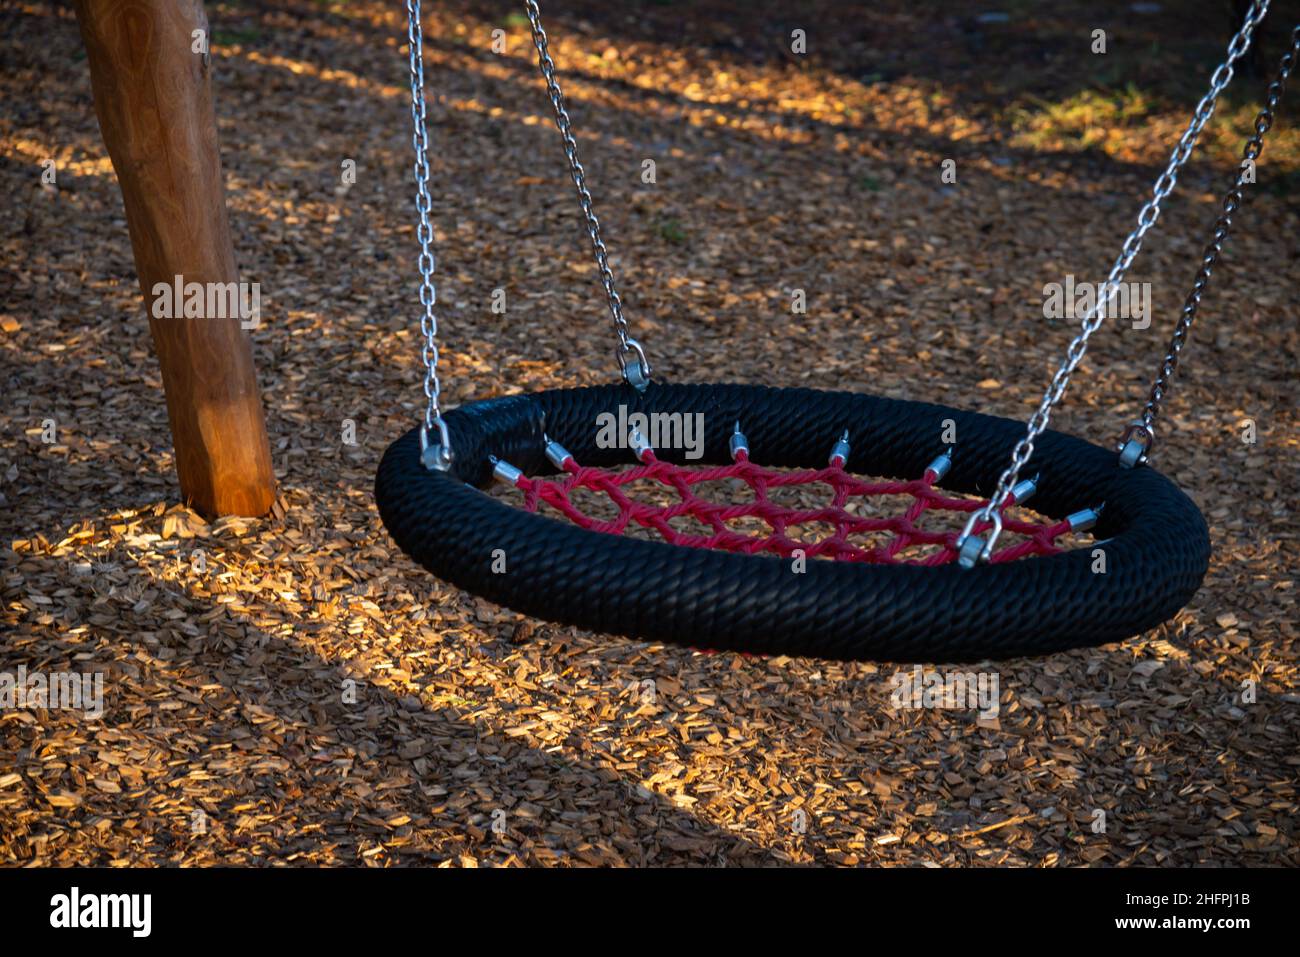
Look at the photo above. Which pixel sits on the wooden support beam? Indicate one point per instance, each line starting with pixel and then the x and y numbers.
pixel 154 102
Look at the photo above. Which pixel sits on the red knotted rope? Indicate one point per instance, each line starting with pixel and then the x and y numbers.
pixel 904 529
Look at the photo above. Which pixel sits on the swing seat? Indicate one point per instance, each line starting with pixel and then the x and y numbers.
pixel 1149 557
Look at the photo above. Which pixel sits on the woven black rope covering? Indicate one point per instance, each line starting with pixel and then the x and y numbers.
pixel 1155 541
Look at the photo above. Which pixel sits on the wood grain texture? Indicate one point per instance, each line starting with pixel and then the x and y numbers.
pixel 153 98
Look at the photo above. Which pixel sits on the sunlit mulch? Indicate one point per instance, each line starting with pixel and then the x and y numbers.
pixel 293 690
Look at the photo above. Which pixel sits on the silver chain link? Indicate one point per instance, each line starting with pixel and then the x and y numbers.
pixel 1095 316
pixel 632 362
pixel 1210 257
pixel 637 374
pixel 434 455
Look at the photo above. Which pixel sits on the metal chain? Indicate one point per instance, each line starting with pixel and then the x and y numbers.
pixel 972 550
pixel 436 455
pixel 637 374
pixel 1210 257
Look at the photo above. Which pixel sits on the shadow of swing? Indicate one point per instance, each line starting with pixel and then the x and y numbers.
pixel 453 769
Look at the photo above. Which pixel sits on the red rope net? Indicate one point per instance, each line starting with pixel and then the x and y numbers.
pixel 891 537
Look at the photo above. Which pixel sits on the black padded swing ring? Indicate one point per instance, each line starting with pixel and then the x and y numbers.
pixel 1155 542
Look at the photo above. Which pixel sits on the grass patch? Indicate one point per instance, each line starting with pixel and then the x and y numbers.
pixel 1083 121
pixel 673 231
pixel 236 36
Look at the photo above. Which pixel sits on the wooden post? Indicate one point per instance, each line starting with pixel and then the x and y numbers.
pixel 154 102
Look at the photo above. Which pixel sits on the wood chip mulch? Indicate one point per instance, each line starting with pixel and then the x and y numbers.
pixel 292 690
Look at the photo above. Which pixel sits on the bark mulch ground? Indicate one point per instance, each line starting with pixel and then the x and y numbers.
pixel 292 690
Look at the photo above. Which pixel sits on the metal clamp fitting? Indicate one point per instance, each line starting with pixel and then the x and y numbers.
pixel 840 452
pixel 557 453
pixel 504 472
pixel 640 447
pixel 940 466
pixel 739 444
pixel 1021 492
pixel 1084 520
